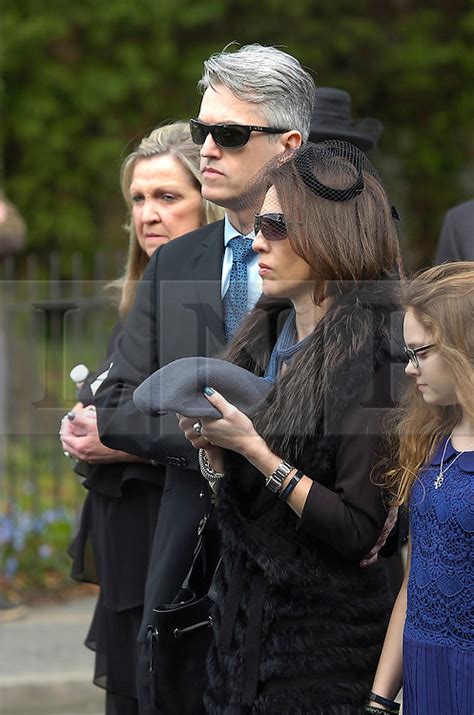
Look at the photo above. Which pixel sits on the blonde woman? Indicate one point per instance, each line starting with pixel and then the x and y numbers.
pixel 161 186
pixel 429 645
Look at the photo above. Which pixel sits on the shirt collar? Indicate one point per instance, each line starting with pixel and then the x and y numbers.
pixel 465 461
pixel 231 232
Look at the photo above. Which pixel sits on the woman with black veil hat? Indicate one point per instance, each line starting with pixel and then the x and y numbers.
pixel 298 624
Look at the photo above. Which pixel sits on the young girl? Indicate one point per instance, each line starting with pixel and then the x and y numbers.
pixel 430 639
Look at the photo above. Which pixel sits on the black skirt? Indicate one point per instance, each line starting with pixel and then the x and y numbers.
pixel 112 548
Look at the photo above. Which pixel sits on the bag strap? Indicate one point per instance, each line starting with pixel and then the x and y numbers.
pixel 198 548
pixel 186 592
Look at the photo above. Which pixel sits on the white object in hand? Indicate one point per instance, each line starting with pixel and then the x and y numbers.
pixel 78 374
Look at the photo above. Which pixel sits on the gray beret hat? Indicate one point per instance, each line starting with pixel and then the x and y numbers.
pixel 178 387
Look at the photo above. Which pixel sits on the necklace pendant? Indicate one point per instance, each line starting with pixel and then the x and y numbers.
pixel 439 480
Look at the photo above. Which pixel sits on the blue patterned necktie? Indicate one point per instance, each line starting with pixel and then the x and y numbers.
pixel 235 299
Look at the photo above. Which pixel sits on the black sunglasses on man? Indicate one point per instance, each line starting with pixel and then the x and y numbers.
pixel 227 136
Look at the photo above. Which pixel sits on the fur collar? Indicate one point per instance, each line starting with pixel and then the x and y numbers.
pixel 332 372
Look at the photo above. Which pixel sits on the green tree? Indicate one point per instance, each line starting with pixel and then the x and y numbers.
pixel 83 82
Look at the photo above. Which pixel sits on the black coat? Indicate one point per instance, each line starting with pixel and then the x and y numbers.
pixel 177 313
pixel 456 241
pixel 298 624
pixel 118 517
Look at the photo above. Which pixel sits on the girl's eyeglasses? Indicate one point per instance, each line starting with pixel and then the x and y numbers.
pixel 227 136
pixel 412 354
pixel 272 226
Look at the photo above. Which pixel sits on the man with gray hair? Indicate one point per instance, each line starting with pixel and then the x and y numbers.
pixel 257 103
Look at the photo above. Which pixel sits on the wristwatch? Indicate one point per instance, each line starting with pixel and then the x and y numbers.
pixel 275 480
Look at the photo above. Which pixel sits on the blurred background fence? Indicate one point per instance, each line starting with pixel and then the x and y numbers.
pixel 46 327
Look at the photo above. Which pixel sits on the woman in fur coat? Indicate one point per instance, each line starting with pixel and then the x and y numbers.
pixel 298 624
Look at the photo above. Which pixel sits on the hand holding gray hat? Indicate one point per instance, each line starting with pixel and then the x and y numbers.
pixel 178 387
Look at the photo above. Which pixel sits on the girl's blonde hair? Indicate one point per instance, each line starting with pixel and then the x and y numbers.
pixel 174 140
pixel 442 299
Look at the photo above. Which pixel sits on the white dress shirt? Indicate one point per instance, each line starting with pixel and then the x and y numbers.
pixel 254 280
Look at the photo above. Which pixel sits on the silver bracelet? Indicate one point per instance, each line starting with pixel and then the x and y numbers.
pixel 275 480
pixel 207 471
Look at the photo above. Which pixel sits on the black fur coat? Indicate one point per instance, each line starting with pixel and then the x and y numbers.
pixel 298 624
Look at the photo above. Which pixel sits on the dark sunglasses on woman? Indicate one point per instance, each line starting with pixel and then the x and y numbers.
pixel 272 226
pixel 227 136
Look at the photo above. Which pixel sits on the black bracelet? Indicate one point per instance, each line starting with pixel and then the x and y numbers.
pixel 291 485
pixel 390 704
pixel 373 710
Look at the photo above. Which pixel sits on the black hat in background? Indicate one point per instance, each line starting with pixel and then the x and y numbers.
pixel 178 387
pixel 332 119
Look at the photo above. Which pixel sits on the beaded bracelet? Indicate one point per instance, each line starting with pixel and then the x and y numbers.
pixel 291 485
pixel 207 471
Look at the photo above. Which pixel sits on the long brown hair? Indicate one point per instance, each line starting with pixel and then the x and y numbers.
pixel 341 240
pixel 442 299
pixel 174 140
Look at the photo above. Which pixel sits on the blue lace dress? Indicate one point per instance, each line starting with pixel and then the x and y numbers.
pixel 438 647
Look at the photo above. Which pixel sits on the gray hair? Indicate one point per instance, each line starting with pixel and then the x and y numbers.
pixel 268 77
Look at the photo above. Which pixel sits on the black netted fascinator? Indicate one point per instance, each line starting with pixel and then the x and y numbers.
pixel 317 165
pixel 329 200
pixel 332 170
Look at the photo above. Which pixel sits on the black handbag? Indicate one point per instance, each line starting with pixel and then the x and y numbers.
pixel 181 635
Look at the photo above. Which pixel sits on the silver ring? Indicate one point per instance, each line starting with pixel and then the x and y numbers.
pixel 197 427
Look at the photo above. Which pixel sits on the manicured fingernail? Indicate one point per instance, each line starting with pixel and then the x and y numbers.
pixel 209 391
pixel 71 415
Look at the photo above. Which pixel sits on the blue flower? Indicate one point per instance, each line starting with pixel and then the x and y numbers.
pixel 11 566
pixel 50 516
pixel 6 529
pixel 45 550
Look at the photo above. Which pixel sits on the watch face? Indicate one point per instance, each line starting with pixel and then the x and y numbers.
pixel 274 482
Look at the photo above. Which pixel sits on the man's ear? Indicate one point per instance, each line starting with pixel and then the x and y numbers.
pixel 292 139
